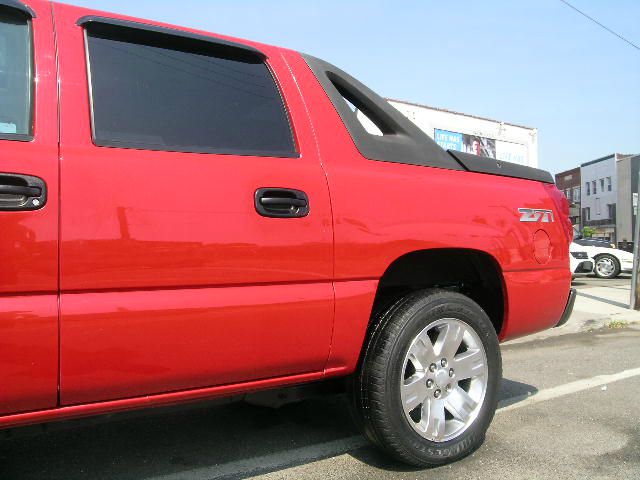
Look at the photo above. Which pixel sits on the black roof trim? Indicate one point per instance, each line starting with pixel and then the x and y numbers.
pixel 402 142
pixel 93 19
pixel 491 166
pixel 15 4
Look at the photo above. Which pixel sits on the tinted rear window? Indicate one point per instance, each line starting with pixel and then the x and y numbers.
pixel 159 92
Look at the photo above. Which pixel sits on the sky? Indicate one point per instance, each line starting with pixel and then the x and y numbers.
pixel 537 63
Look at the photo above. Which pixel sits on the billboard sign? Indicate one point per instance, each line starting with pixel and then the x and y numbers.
pixel 449 140
pixel 511 152
pixel 483 146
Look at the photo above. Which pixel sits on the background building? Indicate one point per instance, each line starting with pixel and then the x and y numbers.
pixel 470 133
pixel 608 187
pixel 627 172
pixel 599 196
pixel 569 183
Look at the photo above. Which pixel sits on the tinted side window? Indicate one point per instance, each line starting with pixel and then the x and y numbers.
pixel 16 82
pixel 160 92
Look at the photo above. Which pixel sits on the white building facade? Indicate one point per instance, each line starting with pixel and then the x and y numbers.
pixel 628 168
pixel 599 196
pixel 472 134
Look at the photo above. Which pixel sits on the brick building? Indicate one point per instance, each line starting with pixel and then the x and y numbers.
pixel 569 183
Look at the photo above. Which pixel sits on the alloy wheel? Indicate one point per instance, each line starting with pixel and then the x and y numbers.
pixel 444 379
pixel 605 267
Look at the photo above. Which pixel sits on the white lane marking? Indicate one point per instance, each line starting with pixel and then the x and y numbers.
pixel 298 456
pixel 565 389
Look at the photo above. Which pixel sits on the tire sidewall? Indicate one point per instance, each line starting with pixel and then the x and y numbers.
pixel 417 318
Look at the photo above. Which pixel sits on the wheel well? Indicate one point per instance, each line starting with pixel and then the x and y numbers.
pixel 470 272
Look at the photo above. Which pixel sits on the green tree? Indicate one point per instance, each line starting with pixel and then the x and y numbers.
pixel 587 232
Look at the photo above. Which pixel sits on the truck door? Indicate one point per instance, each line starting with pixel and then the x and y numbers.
pixel 196 236
pixel 28 208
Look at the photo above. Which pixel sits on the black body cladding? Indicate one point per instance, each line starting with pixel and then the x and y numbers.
pixel 15 5
pixel 92 19
pixel 478 164
pixel 401 140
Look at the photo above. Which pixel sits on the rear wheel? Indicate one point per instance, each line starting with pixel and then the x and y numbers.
pixel 607 266
pixel 428 385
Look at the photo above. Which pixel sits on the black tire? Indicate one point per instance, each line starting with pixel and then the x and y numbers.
pixel 376 386
pixel 609 258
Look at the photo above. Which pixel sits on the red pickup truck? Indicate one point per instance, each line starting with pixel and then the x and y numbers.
pixel 185 216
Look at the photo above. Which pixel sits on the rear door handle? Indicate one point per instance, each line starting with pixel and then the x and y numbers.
pixel 21 192
pixel 281 203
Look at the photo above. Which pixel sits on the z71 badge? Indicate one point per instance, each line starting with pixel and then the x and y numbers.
pixel 535 215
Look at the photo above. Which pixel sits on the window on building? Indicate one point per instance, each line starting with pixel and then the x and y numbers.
pixel 608 184
pixel 602 184
pixel 16 76
pixel 593 187
pixel 576 195
pixel 567 193
pixel 611 211
pixel 588 188
pixel 155 91
pixel 598 212
pixel 586 214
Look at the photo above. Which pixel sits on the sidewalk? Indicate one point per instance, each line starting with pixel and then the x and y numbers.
pixel 595 307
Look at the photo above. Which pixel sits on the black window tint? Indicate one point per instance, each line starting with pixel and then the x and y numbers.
pixel 15 75
pixel 159 92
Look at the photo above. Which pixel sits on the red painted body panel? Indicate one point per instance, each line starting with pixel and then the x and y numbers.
pixel 383 211
pixel 29 240
pixel 29 248
pixel 119 344
pixel 166 298
pixel 536 300
pixel 28 352
pixel 127 344
pixel 167 233
pixel 354 300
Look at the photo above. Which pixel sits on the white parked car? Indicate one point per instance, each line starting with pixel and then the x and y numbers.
pixel 608 261
pixel 579 259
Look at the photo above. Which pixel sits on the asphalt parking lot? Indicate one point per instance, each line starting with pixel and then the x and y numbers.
pixel 590 281
pixel 569 410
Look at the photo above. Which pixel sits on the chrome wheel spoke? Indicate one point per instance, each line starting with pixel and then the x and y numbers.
pixel 413 393
pixel 468 364
pixel 449 340
pixel 421 352
pixel 434 418
pixel 460 405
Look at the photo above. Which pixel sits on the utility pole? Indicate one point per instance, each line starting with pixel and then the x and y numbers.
pixel 635 291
